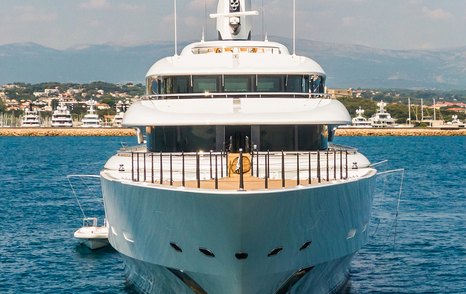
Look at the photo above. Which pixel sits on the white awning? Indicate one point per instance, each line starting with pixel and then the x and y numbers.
pixel 231 111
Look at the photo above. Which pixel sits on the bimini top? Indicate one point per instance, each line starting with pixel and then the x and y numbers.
pixel 236 111
pixel 235 57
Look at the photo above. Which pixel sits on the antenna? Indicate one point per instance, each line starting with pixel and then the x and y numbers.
pixel 294 27
pixel 263 19
pixel 176 31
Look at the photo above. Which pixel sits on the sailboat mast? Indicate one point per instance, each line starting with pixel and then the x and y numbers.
pixel 409 110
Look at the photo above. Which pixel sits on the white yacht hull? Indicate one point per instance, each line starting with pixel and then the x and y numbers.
pixel 144 219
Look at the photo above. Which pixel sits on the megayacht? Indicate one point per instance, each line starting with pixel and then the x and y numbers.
pixel 236 186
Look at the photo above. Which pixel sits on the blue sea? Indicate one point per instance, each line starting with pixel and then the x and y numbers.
pixel 418 230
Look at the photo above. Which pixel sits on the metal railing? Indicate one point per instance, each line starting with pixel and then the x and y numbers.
pixel 236 95
pixel 239 171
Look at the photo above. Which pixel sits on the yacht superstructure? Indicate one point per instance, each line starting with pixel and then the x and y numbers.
pixel 237 187
pixel 31 119
pixel 91 119
pixel 61 117
pixel 382 119
pixel 120 113
pixel 359 121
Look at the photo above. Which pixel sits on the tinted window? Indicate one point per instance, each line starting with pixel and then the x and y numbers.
pixel 238 83
pixel 269 84
pixel 203 84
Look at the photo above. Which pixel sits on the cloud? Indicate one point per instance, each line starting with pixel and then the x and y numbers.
pixel 94 5
pixel 131 7
pixel 436 13
pixel 29 13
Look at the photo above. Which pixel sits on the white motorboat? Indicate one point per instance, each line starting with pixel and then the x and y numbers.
pixel 92 235
pixel 382 119
pixel 31 119
pixel 61 117
pixel 359 121
pixel 237 186
pixel 120 113
pixel 456 122
pixel 91 119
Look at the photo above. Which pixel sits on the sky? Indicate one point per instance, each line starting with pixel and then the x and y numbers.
pixel 394 24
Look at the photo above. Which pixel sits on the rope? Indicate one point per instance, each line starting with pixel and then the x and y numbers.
pixel 74 191
pixel 76 196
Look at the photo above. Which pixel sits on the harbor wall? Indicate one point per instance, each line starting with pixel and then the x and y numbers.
pixel 123 132
pixel 66 132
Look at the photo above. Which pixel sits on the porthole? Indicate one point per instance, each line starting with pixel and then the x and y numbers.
pixel 275 251
pixel 207 252
pixel 176 247
pixel 241 255
pixel 305 245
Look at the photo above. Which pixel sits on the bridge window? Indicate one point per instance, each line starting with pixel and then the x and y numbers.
pixel 238 83
pixel 270 83
pixel 203 84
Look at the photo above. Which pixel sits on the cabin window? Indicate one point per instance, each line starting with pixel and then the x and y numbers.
pixel 181 84
pixel 276 138
pixel 152 86
pixel 269 84
pixel 294 84
pixel 317 84
pixel 177 139
pixel 238 83
pixel 292 138
pixel 205 84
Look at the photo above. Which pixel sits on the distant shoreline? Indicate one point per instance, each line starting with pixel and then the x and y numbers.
pixel 124 132
pixel 66 132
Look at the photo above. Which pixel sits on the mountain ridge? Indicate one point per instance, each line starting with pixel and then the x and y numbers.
pixel 347 66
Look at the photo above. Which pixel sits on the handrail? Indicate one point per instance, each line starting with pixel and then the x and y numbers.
pixel 235 95
pixel 208 169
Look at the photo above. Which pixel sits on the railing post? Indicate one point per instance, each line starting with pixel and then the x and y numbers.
pixel 252 162
pixel 257 163
pixel 266 170
pixel 216 173
pixel 210 163
pixel 171 169
pixel 346 167
pixel 283 169
pixel 221 164
pixel 198 171
pixel 226 164
pixel 132 166
pixel 297 168
pixel 144 157
pixel 319 175
pixel 334 164
pixel 183 183
pixel 161 168
pixel 328 171
pixel 137 165
pixel 341 164
pixel 152 170
pixel 309 166
pixel 241 175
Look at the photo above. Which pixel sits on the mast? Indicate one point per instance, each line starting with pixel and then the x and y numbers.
pixel 422 109
pixel 409 110
pixel 233 22
pixel 435 117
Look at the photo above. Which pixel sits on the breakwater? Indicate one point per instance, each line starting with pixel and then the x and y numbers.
pixel 66 132
pixel 123 132
pixel 400 132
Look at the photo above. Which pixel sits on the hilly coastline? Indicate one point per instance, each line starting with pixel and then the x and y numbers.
pixel 347 66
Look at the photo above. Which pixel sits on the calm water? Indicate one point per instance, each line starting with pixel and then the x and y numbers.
pixel 424 251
